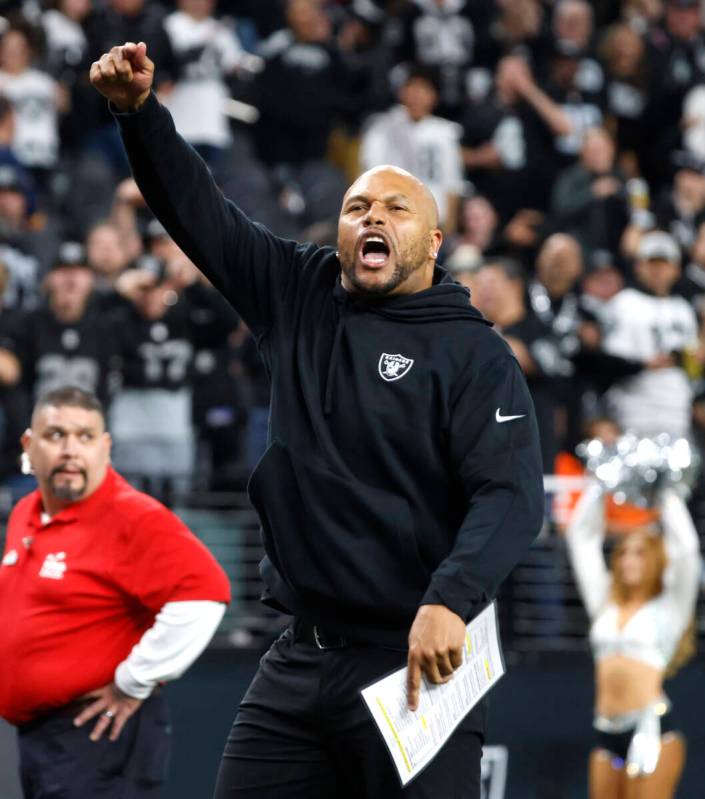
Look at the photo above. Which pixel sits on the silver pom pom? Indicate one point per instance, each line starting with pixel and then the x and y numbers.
pixel 635 470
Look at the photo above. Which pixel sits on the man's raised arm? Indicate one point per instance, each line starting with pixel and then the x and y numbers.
pixel 246 262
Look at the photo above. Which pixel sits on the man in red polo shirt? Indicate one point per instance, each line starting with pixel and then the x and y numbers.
pixel 105 594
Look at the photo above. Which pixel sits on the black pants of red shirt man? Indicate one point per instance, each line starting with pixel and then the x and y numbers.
pixel 59 761
pixel 304 732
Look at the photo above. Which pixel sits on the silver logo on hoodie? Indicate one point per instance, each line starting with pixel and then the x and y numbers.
pixel 392 367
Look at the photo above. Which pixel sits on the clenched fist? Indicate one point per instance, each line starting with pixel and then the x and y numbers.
pixel 124 75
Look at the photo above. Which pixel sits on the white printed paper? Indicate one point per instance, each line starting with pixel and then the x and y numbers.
pixel 414 738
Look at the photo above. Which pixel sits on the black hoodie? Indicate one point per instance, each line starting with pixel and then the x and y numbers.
pixel 393 477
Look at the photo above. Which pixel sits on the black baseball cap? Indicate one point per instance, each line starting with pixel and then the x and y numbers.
pixel 684 159
pixel 70 253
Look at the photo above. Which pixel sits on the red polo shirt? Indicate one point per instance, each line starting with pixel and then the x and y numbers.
pixel 79 592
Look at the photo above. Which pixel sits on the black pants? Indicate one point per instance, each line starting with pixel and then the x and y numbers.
pixel 304 732
pixel 59 761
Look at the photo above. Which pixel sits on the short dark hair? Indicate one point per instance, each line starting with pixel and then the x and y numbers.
pixel 72 397
pixel 424 73
pixel 512 269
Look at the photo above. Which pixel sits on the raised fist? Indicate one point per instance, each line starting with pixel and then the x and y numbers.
pixel 124 75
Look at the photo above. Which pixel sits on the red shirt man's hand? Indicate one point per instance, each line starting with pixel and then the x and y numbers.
pixel 114 707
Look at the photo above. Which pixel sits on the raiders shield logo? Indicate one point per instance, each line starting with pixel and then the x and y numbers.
pixel 392 367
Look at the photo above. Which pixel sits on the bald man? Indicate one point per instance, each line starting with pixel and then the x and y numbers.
pixel 402 481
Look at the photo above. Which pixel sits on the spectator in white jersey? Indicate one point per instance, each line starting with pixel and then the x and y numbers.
pixel 409 136
pixel 651 324
pixel 206 51
pixel 37 99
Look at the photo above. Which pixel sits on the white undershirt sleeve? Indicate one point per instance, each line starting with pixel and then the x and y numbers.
pixel 181 631
pixel 584 536
pixel 682 577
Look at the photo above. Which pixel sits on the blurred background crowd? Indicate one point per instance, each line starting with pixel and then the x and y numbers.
pixel 564 142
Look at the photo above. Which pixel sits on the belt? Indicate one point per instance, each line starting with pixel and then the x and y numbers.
pixel 306 632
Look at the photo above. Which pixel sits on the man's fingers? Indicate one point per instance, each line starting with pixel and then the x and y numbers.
pixel 413 682
pixel 89 712
pixel 118 724
pixel 445 667
pixel 113 67
pixel 107 66
pixel 139 58
pixel 100 727
pixel 432 672
pixel 456 657
pixel 128 50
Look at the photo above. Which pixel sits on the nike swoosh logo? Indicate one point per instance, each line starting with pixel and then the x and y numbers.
pixel 498 416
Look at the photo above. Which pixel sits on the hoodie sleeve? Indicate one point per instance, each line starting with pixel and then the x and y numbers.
pixel 496 454
pixel 247 263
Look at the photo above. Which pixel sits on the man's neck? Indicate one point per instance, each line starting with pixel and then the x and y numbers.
pixel 52 505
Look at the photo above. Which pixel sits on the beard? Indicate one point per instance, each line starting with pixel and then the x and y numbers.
pixel 67 491
pixel 406 264
pixel 399 275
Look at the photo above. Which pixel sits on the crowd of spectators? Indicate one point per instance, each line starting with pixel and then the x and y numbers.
pixel 564 141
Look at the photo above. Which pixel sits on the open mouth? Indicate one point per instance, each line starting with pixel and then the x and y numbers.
pixel 374 252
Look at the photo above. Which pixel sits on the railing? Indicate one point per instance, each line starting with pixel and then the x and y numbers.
pixel 540 610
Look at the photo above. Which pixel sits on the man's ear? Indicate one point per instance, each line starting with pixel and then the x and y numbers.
pixel 26 438
pixel 435 244
pixel 25 462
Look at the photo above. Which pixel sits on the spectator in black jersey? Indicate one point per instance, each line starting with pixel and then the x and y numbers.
pixel 66 340
pixel 573 24
pixel 623 55
pixel 680 209
pixel 555 299
pixel 495 146
pixel 589 199
pixel 172 318
pixel 554 118
pixel 114 21
pixel 500 290
pixel 150 417
pixel 304 88
pixel 676 59
pixel 442 35
pixel 219 409
pixel 691 284
pixel 519 27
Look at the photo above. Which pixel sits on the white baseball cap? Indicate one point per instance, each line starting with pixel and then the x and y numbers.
pixel 658 245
